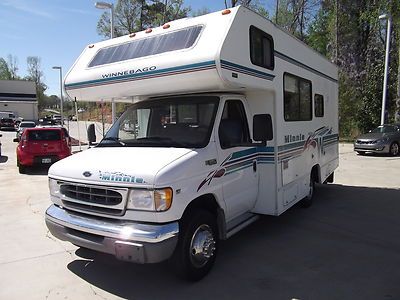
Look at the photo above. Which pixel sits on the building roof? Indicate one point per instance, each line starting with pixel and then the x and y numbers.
pixel 17 91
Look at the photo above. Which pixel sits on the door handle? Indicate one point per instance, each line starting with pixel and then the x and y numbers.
pixel 254 165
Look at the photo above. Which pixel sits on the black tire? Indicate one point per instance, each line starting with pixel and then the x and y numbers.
pixel 394 149
pixel 21 168
pixel 308 200
pixel 361 152
pixel 196 229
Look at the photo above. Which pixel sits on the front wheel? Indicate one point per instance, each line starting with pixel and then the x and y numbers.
pixel 196 250
pixel 394 149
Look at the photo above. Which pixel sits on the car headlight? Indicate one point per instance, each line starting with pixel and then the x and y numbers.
pixel 54 188
pixel 151 200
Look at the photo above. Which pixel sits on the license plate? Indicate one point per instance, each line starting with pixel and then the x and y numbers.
pixel 46 160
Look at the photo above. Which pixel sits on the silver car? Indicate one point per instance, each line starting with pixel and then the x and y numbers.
pixel 383 139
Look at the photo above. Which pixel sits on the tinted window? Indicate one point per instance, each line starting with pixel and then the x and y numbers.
pixel 233 130
pixel 44 135
pixel 261 48
pixel 297 98
pixel 176 40
pixel 319 105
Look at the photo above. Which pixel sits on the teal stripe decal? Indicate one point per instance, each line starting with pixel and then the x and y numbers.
pixel 161 72
pixel 248 71
pixel 300 64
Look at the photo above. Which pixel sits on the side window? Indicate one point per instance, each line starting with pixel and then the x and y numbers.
pixel 261 48
pixel 297 98
pixel 319 105
pixel 233 129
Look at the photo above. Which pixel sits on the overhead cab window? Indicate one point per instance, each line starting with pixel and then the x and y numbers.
pixel 177 40
pixel 297 98
pixel 261 48
pixel 318 105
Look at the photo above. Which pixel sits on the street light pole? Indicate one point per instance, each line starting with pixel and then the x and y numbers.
pixel 61 94
pixel 106 5
pixel 385 78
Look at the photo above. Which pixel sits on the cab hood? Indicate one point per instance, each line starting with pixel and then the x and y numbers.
pixel 125 166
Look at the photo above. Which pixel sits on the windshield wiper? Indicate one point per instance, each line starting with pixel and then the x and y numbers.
pixel 114 139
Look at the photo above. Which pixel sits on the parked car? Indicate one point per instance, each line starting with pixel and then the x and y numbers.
pixel 22 126
pixel 7 123
pixel 42 146
pixel 57 119
pixel 382 139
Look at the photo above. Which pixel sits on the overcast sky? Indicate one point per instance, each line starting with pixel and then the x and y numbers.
pixel 57 31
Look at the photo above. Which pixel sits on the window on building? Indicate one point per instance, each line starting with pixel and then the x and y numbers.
pixel 297 98
pixel 261 48
pixel 177 40
pixel 319 105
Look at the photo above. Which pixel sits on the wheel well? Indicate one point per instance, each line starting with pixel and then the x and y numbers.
pixel 209 203
pixel 316 173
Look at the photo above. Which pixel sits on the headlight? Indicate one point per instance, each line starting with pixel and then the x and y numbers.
pixel 54 188
pixel 152 200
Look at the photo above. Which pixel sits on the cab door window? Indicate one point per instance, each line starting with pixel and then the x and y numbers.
pixel 233 130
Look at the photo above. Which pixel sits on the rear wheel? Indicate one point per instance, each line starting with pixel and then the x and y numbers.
pixel 21 168
pixel 308 200
pixel 196 250
pixel 394 149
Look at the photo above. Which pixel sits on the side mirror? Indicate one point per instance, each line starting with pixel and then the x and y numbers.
pixel 16 140
pixel 91 134
pixel 262 128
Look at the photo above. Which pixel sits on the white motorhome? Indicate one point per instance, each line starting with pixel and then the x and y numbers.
pixel 232 118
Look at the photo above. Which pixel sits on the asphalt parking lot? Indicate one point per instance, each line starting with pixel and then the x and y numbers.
pixel 346 246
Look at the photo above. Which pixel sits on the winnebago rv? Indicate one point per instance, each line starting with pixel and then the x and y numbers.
pixel 231 118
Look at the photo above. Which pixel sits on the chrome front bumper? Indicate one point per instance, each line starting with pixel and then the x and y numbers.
pixel 129 241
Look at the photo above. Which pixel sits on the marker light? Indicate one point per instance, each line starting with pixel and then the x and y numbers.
pixel 226 12
pixel 148 30
pixel 166 26
pixel 91 46
pixel 132 35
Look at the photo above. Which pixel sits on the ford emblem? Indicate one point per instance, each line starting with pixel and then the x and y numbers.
pixel 87 174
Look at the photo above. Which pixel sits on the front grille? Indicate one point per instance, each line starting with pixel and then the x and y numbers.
pixel 91 195
pixel 95 199
pixel 365 142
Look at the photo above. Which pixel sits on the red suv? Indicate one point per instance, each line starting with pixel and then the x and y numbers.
pixel 42 146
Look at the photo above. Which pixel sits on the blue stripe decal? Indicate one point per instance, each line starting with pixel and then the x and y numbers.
pixel 248 71
pixel 190 67
pixel 300 64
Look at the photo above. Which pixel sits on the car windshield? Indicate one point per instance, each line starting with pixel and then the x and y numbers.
pixel 385 129
pixel 169 122
pixel 27 125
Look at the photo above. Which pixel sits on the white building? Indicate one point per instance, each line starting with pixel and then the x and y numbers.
pixel 19 97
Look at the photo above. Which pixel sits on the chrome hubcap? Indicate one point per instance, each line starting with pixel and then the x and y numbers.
pixel 202 246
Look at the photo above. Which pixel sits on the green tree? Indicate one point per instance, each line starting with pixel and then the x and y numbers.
pixel 5 73
pixel 135 15
pixel 36 75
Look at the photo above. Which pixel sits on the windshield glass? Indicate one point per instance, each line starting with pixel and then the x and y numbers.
pixel 384 129
pixel 172 122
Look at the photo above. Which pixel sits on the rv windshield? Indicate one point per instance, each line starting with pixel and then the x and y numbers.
pixel 168 122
